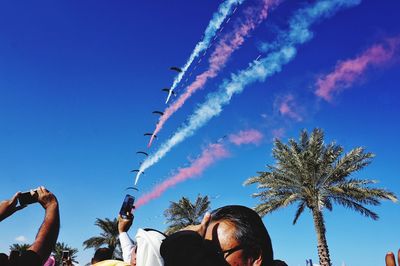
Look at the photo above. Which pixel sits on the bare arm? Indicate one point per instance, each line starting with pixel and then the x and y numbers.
pixel 8 207
pixel 48 232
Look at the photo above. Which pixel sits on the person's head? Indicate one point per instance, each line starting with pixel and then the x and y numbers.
pixel 14 255
pixel 279 263
pixel 102 254
pixel 3 259
pixel 240 236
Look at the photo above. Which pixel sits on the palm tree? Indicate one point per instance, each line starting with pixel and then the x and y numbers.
pixel 20 247
pixel 108 236
pixel 183 213
pixel 58 252
pixel 315 175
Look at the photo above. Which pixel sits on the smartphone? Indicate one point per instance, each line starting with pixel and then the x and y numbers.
pixel 28 198
pixel 127 206
pixel 65 254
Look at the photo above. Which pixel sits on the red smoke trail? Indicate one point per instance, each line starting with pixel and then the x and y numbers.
pixel 246 137
pixel 210 155
pixel 349 71
pixel 286 108
pixel 224 49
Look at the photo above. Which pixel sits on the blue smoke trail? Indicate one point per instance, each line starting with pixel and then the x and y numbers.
pixel 285 49
pixel 224 10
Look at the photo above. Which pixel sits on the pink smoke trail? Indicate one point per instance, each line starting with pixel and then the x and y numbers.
pixel 246 137
pixel 224 49
pixel 209 156
pixel 286 108
pixel 349 71
pixel 278 133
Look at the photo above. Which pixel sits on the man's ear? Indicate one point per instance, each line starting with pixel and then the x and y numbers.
pixel 258 261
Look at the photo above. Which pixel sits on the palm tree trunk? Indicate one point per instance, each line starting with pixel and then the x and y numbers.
pixel 323 251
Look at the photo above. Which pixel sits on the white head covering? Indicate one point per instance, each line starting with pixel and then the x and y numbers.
pixel 148 248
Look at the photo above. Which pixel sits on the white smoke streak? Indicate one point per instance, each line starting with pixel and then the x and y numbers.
pixel 285 51
pixel 224 10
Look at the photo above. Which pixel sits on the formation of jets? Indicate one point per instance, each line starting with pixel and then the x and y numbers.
pixel 171 92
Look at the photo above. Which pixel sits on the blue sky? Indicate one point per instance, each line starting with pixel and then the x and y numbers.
pixel 78 83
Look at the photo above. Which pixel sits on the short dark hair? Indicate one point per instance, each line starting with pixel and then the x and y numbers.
pixel 250 231
pixel 102 254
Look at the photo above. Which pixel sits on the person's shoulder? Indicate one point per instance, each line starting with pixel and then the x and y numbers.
pixel 29 258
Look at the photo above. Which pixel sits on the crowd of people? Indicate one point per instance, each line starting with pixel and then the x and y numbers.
pixel 230 235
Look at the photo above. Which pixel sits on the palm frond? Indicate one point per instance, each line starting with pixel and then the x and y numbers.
pixel 299 211
pixel 183 213
pixel 315 173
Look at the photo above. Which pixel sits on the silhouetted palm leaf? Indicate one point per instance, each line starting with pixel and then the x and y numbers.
pixel 108 236
pixel 183 213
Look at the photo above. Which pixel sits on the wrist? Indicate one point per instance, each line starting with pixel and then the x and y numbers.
pixel 51 206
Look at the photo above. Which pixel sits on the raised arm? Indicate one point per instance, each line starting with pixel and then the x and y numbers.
pixel 8 207
pixel 47 236
pixel 124 239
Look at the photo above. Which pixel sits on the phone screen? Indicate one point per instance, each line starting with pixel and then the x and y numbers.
pixel 65 254
pixel 127 206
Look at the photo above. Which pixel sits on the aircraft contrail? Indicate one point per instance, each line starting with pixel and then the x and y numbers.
pixel 209 156
pixel 224 10
pixel 232 41
pixel 349 71
pixel 284 51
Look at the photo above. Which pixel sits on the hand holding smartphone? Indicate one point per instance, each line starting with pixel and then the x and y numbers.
pixel 65 257
pixel 28 197
pixel 127 207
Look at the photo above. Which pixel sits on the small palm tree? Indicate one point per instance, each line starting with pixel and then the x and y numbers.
pixel 20 247
pixel 108 236
pixel 316 175
pixel 58 252
pixel 183 213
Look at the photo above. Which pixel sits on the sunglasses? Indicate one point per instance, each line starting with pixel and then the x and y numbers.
pixel 228 252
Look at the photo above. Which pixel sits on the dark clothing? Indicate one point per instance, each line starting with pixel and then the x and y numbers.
pixel 189 248
pixel 26 258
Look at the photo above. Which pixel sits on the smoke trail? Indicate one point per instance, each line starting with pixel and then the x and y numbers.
pixel 210 155
pixel 297 34
pixel 223 11
pixel 246 137
pixel 349 71
pixel 286 108
pixel 218 59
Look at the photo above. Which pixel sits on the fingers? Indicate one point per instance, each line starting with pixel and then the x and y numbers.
pixel 129 217
pixel 204 224
pixel 206 219
pixel 15 198
pixel 398 257
pixel 40 190
pixel 45 197
pixel 390 259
